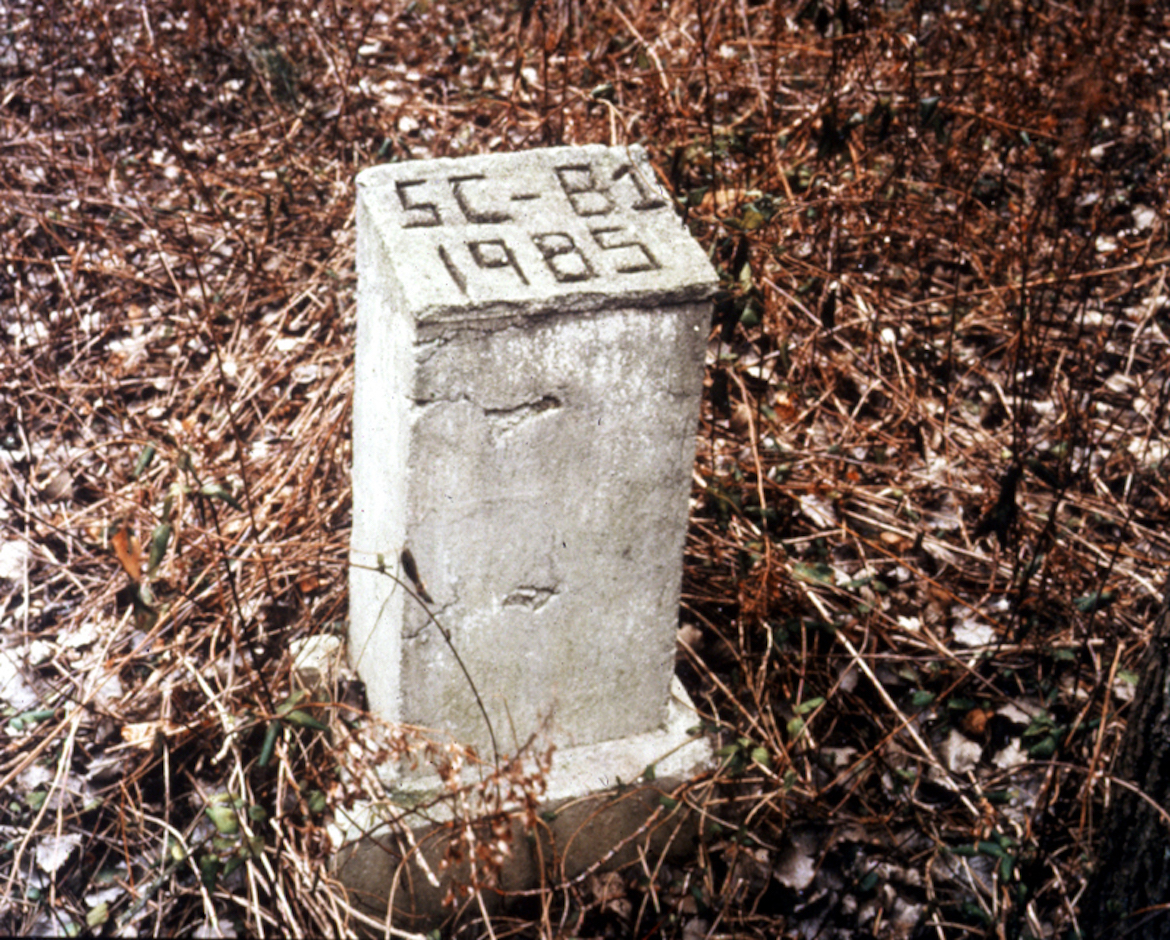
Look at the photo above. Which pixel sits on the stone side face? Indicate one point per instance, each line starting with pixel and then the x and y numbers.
pixel 531 330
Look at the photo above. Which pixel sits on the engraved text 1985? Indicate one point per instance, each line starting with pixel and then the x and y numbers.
pixel 600 199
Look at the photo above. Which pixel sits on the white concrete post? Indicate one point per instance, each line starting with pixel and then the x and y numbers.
pixel 531 333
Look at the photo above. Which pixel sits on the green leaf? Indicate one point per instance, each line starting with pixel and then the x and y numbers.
pixel 761 756
pixel 143 461
pixel 795 728
pixel 921 699
pixel 145 616
pixel 223 817
pixel 735 761
pixel 1039 725
pixel 158 546
pixel 305 720
pixel 208 869
pixel 221 492
pixel 818 573
pixel 650 773
pixel 811 705
pixel 144 596
pixel 291 702
pixel 98 915
pixel 667 802
pixel 317 802
pixel 1046 747
pixel 271 733
pixel 31 718
pixel 1095 600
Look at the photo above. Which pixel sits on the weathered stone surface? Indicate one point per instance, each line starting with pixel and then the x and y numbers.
pixel 531 330
pixel 568 229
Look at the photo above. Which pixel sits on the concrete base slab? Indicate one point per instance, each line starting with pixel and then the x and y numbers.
pixel 595 818
pixel 672 750
pixel 417 887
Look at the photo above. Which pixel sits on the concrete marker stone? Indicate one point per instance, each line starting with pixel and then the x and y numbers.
pixel 529 361
pixel 531 331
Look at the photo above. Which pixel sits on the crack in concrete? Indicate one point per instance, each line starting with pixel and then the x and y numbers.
pixel 525 409
pixel 510 414
pixel 530 596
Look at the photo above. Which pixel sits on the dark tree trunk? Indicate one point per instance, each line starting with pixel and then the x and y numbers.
pixel 1132 872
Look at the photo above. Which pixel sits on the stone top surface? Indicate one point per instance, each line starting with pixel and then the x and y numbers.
pixel 566 228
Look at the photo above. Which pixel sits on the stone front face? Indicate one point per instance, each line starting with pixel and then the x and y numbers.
pixel 531 330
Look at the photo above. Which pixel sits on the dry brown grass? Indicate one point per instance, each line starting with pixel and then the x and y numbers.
pixel 932 461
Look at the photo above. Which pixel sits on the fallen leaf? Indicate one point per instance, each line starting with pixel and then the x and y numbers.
pixel 796 866
pixel 741 418
pixel 975 722
pixel 144 734
pixel 58 487
pixel 819 511
pixel 14 555
pixel 54 851
pixel 129 551
pixel 971 633
pixel 959 754
pixel 14 690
